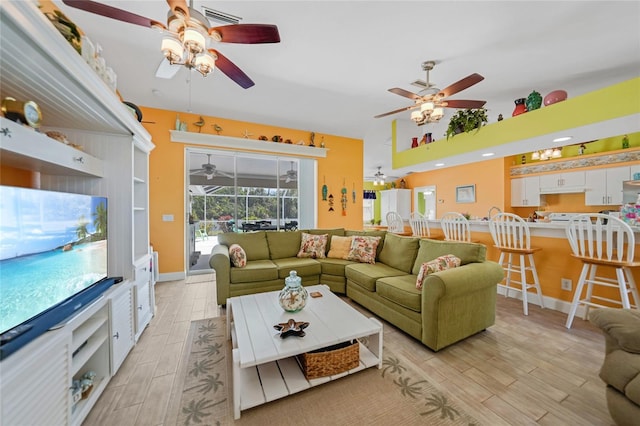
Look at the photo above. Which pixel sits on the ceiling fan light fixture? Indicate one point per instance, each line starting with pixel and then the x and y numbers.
pixel 193 40
pixel 416 116
pixel 205 63
pixel 437 113
pixel 172 49
pixel 426 108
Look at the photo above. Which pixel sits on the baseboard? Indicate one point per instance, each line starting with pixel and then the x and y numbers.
pixel 172 276
pixel 549 302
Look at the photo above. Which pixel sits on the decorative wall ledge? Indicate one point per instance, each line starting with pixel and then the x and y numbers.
pixel 228 142
pixel 593 160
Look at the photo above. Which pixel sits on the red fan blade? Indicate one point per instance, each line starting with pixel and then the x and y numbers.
pixel 246 33
pixel 405 93
pixel 231 70
pixel 112 12
pixel 459 86
pixel 179 7
pixel 459 103
pixel 396 111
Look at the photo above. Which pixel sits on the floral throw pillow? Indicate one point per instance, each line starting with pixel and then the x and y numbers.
pixel 238 256
pixel 313 246
pixel 363 249
pixel 438 264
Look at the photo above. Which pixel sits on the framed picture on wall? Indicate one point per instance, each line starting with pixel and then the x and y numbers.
pixel 466 194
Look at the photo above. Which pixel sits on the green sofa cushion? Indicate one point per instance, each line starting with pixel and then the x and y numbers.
pixel 304 266
pixel 366 274
pixel 330 231
pixel 401 290
pixel 283 244
pixel 399 252
pixel 256 270
pixel 430 249
pixel 332 266
pixel 380 234
pixel 254 244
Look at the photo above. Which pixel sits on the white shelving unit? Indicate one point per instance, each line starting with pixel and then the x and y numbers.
pixel 37 63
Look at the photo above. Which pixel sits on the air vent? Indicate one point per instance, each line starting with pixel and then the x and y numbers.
pixel 218 17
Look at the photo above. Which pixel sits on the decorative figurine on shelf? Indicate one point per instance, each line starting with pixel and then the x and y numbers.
pixel 293 297
pixel 520 107
pixel 322 142
pixel 534 101
pixel 403 184
pixel 313 137
pixel 500 118
pixel 199 124
pixel 246 134
pixel 217 128
pixel 277 138
pixel 581 149
pixel 523 159
pixel 625 142
pixel 263 138
pixel 414 142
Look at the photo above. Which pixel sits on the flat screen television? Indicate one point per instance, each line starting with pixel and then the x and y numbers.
pixel 53 260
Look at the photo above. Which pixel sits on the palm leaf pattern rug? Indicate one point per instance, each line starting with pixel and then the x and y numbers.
pixel 399 390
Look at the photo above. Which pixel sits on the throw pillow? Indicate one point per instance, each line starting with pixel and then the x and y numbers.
pixel 237 255
pixel 363 249
pixel 340 247
pixel 313 245
pixel 438 264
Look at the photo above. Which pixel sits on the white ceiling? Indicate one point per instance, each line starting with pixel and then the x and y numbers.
pixel 336 60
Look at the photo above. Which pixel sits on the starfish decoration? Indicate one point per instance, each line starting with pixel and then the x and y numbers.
pixel 291 328
pixel 246 134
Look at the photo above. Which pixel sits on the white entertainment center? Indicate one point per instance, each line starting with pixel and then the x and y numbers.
pixel 38 64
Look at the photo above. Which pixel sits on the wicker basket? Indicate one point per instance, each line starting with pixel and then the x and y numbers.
pixel 331 360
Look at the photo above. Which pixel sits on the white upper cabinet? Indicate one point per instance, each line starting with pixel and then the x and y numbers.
pixel 604 186
pixel 525 192
pixel 557 183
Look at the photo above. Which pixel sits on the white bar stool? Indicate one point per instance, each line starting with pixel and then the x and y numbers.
pixel 455 227
pixel 511 236
pixel 419 225
pixel 600 240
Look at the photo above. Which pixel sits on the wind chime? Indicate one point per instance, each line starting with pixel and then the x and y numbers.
pixel 325 189
pixel 331 202
pixel 343 198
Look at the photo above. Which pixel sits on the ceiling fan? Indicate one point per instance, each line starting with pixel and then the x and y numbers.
pixel 290 176
pixel 209 170
pixel 187 37
pixel 431 100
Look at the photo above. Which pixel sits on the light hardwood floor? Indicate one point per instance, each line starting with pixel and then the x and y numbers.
pixel 523 370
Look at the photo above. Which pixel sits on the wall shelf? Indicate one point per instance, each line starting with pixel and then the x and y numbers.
pixel 228 142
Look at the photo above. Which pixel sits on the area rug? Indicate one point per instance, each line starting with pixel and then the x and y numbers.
pixel 398 393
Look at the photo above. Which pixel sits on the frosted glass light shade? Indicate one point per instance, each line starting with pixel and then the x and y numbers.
pixel 172 49
pixel 426 107
pixel 416 116
pixel 194 40
pixel 205 63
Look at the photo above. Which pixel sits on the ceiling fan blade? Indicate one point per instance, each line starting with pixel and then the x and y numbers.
pixel 247 33
pixel 231 70
pixel 179 7
pixel 396 111
pixel 459 86
pixel 459 103
pixel 405 93
pixel 113 13
pixel 167 70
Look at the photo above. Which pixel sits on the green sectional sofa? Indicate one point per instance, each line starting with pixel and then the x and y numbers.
pixel 452 305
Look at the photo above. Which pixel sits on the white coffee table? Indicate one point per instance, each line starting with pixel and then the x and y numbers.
pixel 264 364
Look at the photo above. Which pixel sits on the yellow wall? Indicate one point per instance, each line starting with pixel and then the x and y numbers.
pixel 11 176
pixel 343 165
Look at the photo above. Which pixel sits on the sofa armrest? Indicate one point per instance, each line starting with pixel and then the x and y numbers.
pixel 460 281
pixel 221 263
pixel 620 326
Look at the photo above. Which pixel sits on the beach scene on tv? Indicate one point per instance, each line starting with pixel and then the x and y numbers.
pixel 52 246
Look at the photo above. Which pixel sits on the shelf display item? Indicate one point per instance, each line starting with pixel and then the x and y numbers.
pixel 293 297
pixel 22 112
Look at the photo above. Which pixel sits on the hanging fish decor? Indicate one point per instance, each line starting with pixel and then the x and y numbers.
pixel 353 194
pixel 331 202
pixel 343 199
pixel 325 189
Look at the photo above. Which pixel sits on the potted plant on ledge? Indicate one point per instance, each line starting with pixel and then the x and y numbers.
pixel 466 120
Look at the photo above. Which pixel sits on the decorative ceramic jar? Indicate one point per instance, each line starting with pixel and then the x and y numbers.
pixel 428 138
pixel 534 101
pixel 414 142
pixel 555 96
pixel 520 107
pixel 293 297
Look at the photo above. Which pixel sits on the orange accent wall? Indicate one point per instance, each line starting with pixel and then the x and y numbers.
pixel 488 176
pixel 343 166
pixel 11 176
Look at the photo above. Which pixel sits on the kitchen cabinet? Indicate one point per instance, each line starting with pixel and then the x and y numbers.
pixel 122 339
pixel 525 191
pixel 557 183
pixel 395 200
pixel 604 186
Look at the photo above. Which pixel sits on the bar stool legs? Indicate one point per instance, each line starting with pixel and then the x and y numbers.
pixel 521 268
